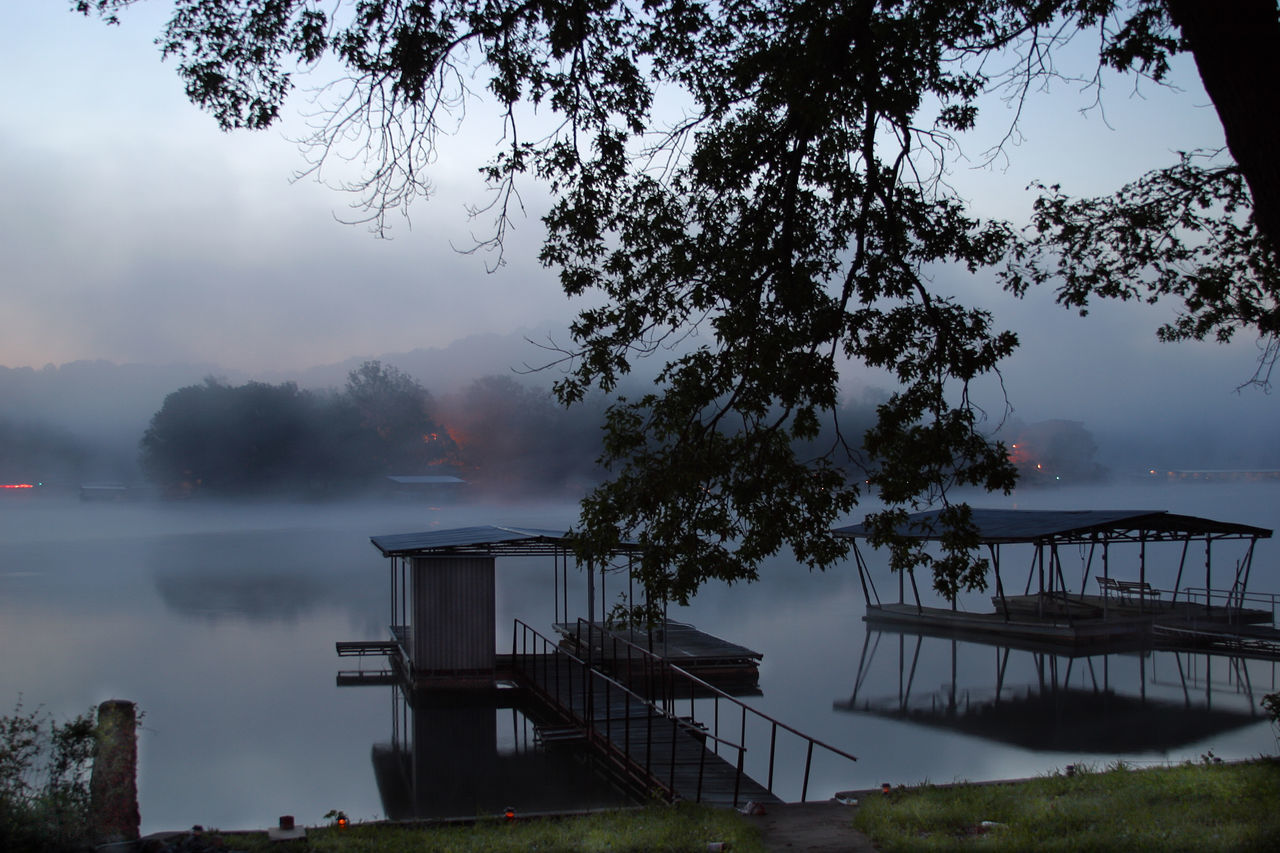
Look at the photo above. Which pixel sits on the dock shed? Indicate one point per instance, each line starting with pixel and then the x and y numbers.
pixel 443 595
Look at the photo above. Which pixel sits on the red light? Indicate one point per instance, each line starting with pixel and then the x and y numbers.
pixel 17 486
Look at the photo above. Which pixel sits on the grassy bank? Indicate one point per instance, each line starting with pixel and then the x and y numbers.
pixel 659 828
pixel 1207 806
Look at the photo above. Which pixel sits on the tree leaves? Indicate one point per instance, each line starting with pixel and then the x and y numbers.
pixel 1183 233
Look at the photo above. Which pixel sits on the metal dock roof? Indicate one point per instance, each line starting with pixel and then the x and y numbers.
pixel 999 526
pixel 470 540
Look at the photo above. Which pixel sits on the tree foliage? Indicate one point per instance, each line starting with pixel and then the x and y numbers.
pixel 396 429
pixel 227 440
pixel 1183 232
pixel 516 439
pixel 256 438
pixel 781 220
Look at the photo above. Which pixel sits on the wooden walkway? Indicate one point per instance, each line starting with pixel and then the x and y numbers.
pixel 1077 620
pixel 728 666
pixel 1260 642
pixel 680 644
pixel 659 751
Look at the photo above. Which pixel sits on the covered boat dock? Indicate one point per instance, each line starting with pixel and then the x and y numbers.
pixel 628 693
pixel 1108 606
pixel 443 594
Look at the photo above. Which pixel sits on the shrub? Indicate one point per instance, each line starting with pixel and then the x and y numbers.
pixel 44 781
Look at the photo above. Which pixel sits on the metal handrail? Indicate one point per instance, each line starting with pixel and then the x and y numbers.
pixel 1233 598
pixel 672 671
pixel 589 719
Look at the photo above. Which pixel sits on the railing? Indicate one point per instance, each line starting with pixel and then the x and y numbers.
pixel 668 686
pixel 1232 599
pixel 577 696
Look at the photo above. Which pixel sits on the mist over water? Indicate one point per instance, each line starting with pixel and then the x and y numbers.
pixel 220 622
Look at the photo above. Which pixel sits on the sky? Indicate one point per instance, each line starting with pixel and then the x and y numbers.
pixel 135 231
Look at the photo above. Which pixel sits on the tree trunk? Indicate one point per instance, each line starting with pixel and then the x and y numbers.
pixel 1236 46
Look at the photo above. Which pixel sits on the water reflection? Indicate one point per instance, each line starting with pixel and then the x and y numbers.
pixel 463 753
pixel 221 621
pixel 263 575
pixel 1064 700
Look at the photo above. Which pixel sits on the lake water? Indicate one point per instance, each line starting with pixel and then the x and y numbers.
pixel 220 623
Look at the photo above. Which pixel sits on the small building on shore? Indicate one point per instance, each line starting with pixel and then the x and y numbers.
pixel 432 487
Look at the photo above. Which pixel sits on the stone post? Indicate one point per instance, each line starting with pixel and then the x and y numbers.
pixel 113 787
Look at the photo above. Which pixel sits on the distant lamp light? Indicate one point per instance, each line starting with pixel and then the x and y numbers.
pixel 509 814
pixel 884 789
pixel 342 823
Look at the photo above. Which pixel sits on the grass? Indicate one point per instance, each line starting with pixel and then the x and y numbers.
pixel 1209 807
pixel 669 829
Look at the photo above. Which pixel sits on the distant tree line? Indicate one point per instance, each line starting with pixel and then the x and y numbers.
pixel 1054 451
pixel 36 452
pixel 501 436
pixel 257 438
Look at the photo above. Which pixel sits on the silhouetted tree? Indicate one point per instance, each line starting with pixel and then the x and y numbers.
pixel 794 211
pixel 229 440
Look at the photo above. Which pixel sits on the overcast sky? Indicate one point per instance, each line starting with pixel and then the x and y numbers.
pixel 135 231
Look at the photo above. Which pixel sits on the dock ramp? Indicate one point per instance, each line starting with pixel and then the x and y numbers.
pixel 627 703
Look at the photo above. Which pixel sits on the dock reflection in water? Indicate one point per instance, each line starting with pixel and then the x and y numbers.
pixel 477 753
pixel 1059 699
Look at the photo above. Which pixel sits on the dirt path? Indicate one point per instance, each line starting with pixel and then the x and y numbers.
pixel 824 826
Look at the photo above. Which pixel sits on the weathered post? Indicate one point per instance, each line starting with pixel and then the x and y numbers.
pixel 113 786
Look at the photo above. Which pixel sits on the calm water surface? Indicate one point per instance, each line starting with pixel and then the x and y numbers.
pixel 220 623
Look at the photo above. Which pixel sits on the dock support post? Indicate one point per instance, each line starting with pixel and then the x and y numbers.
pixel 995 564
pixel 1182 562
pixel 1106 573
pixel 591 592
pixel 1208 586
pixel 1040 564
pixel 1142 570
pixel 1088 567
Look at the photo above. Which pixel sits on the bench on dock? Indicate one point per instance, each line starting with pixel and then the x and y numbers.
pixel 1127 589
